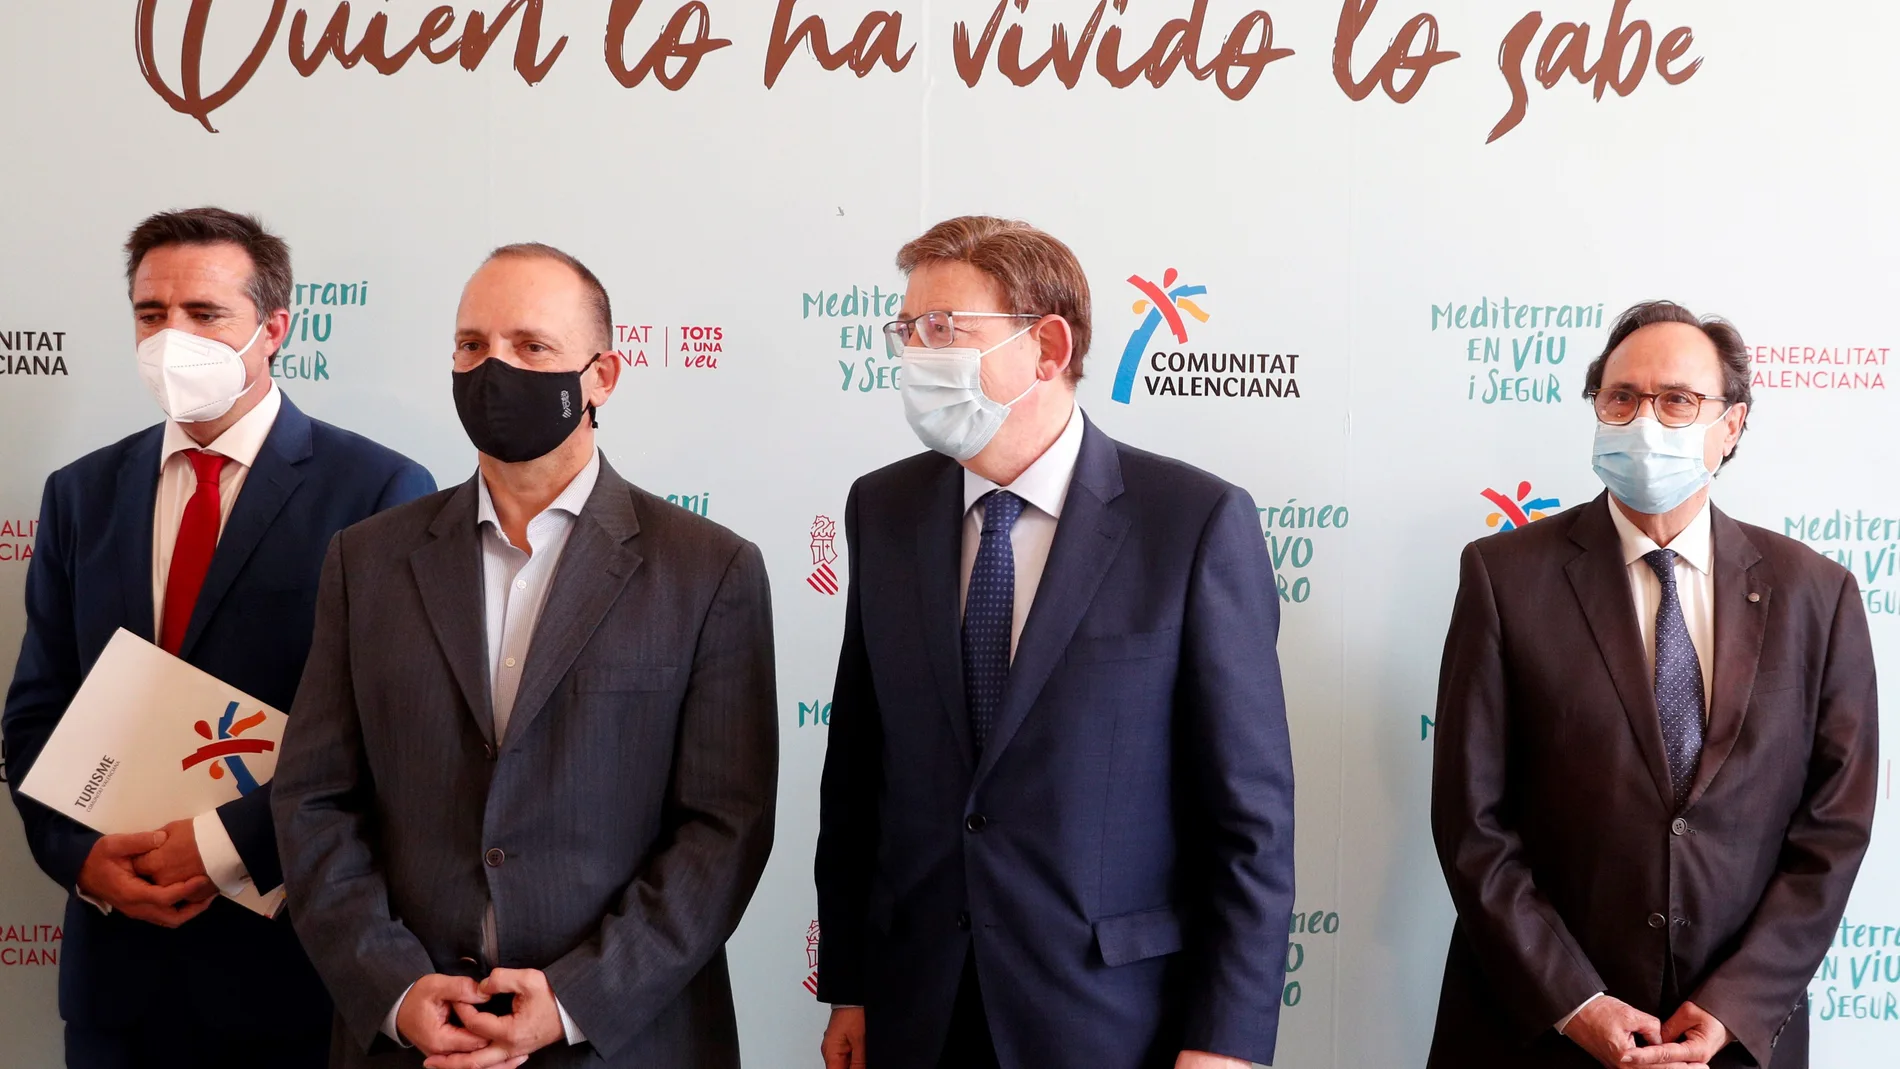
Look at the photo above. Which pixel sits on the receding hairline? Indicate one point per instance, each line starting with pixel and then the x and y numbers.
pixel 1702 341
pixel 593 291
pixel 250 261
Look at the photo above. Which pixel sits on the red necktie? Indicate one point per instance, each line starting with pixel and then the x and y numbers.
pixel 191 554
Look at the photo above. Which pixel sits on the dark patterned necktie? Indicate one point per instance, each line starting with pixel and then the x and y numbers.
pixel 1678 679
pixel 989 610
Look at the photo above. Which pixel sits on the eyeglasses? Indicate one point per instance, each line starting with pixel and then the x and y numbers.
pixel 1673 408
pixel 935 330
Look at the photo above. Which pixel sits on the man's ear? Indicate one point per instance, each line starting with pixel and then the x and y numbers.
pixel 606 368
pixel 1058 347
pixel 1736 419
pixel 276 332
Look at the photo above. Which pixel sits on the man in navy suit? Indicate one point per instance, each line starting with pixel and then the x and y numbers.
pixel 1057 807
pixel 204 534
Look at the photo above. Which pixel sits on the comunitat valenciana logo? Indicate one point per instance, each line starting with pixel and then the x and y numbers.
pixel 29 351
pixel 1511 511
pixel 1192 372
pixel 224 750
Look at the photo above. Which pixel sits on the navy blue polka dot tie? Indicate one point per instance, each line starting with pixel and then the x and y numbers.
pixel 989 610
pixel 1678 679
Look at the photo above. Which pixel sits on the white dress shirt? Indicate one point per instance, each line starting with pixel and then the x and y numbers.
pixel 1042 486
pixel 515 585
pixel 1695 589
pixel 239 445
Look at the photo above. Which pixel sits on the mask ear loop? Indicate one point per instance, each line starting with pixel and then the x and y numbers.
pixel 246 347
pixel 1033 383
pixel 593 415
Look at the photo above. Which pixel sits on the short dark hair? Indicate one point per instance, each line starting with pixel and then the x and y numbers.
pixel 269 288
pixel 596 293
pixel 1731 352
pixel 1038 274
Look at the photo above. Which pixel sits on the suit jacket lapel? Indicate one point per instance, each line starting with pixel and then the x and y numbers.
pixel 594 568
pixel 1739 623
pixel 448 573
pixel 1087 538
pixel 1601 581
pixel 270 482
pixel 939 564
pixel 137 499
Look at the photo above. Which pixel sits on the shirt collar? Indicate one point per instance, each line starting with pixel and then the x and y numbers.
pixel 570 500
pixel 1046 482
pixel 1694 545
pixel 240 442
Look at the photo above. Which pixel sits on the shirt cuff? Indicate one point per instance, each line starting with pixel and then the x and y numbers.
pixel 219 854
pixel 91 901
pixel 574 1035
pixel 389 1022
pixel 1572 1015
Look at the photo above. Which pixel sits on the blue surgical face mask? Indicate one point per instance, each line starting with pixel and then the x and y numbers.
pixel 1650 467
pixel 944 399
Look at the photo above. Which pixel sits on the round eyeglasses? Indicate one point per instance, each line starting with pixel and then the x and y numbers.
pixel 1673 408
pixel 935 330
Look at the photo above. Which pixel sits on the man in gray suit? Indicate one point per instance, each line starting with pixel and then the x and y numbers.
pixel 533 760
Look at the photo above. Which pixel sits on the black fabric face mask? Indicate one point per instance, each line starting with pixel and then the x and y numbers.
pixel 516 415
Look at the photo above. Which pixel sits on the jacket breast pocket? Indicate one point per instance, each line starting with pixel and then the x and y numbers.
pixel 1778 680
pixel 615 679
pixel 1138 646
pixel 1132 937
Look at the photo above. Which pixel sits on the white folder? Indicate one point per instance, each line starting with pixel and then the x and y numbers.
pixel 150 739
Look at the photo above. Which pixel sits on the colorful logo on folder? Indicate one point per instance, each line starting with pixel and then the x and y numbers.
pixel 224 749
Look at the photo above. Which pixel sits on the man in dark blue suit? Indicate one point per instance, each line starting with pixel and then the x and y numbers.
pixel 1057 808
pixel 204 534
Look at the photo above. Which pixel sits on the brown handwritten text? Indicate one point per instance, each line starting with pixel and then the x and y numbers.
pixel 1176 44
pixel 876 41
pixel 1399 55
pixel 1617 58
pixel 1566 51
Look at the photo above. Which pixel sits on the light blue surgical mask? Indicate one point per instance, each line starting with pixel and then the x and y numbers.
pixel 944 399
pixel 1650 467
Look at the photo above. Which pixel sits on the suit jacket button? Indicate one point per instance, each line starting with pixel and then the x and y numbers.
pixel 488 750
pixel 977 822
pixel 1657 920
pixel 1679 826
pixel 469 962
pixel 494 857
pixel 963 921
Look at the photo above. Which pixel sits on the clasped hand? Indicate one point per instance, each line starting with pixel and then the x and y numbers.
pixel 153 876
pixel 1608 1028
pixel 443 1017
